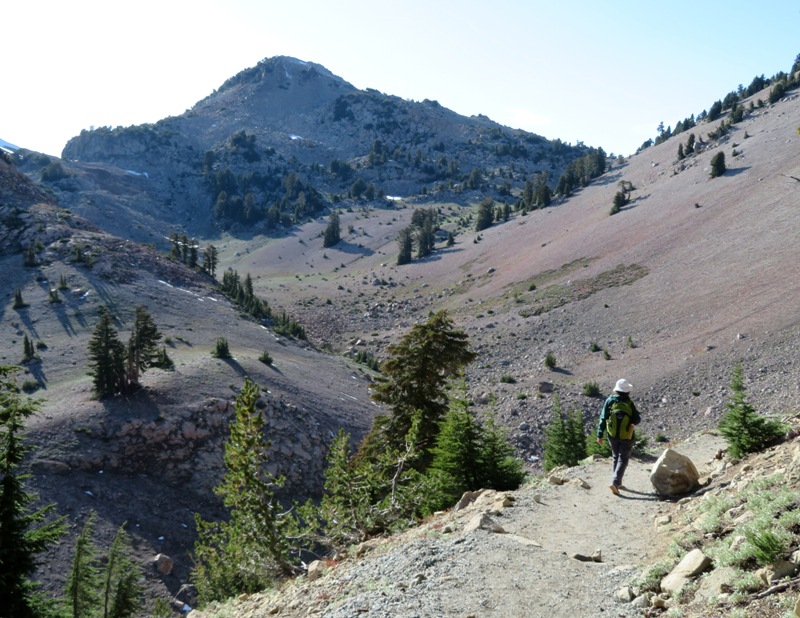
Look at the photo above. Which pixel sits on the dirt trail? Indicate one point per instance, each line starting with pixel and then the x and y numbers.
pixel 439 569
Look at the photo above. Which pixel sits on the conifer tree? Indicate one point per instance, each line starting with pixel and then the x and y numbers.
pixel 348 512
pixel 29 257
pixel 718 167
pixel 19 303
pixel 502 469
pixel 406 244
pixel 332 231
pixel 743 428
pixel 565 441
pixel 106 358
pixel 415 374
pixel 121 589
pixel 83 581
pixel 245 553
pixel 457 454
pixel 142 348
pixel 485 215
pixel 176 246
pixel 426 240
pixel 24 534
pixel 193 253
pixel 210 259
pixel 184 257
pixel 28 351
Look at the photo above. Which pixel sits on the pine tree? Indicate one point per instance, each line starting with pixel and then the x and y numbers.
pixel 210 259
pixel 193 253
pixel 718 167
pixel 332 232
pixel 690 144
pixel 556 449
pixel 142 348
pixel 221 349
pixel 28 350
pixel 405 242
pixel 457 454
pixel 24 534
pixel 415 374
pixel 176 246
pixel 83 581
pixel 19 303
pixel 348 512
pixel 502 469
pixel 565 441
pixel 743 428
pixel 245 553
pixel 121 589
pixel 485 215
pixel 426 240
pixel 106 358
pixel 184 257
pixel 29 257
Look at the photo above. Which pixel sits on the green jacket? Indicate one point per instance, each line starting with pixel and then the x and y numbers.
pixel 614 397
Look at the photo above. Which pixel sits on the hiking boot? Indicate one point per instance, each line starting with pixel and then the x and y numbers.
pixel 614 489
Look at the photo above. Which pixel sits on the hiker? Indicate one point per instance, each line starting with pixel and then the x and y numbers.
pixel 618 421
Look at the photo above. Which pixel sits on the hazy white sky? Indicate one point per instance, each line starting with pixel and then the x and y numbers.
pixel 604 73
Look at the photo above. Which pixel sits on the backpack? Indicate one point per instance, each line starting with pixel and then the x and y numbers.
pixel 618 423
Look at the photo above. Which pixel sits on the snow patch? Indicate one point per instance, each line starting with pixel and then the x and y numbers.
pixel 134 173
pixel 293 136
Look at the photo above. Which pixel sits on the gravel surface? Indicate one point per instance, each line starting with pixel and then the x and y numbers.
pixel 530 569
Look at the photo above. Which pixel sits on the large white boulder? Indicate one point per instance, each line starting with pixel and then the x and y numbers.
pixel 674 474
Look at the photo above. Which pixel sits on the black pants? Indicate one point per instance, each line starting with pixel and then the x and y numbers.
pixel 621 451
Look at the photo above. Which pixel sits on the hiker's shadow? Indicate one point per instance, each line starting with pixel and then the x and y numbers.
pixel 639 495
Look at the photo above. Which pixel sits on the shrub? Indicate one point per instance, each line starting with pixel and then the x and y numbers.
pixel 594 347
pixel 550 360
pixel 221 349
pixel 743 428
pixel 163 361
pixel 29 386
pixel 265 358
pixel 718 165
pixel 591 389
pixel 507 379
pixel 767 546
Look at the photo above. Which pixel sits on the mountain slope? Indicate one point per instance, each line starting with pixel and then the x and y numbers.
pixel 696 273
pixel 693 276
pixel 281 141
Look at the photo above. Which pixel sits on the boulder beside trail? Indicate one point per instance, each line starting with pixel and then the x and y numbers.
pixel 693 563
pixel 674 474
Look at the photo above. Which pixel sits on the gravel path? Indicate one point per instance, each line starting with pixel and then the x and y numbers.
pixel 530 570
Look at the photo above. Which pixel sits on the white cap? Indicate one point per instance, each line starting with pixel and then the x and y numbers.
pixel 623 386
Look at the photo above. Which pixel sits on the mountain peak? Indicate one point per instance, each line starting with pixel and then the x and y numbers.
pixel 279 70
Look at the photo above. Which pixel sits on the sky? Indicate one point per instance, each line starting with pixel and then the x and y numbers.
pixel 602 73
